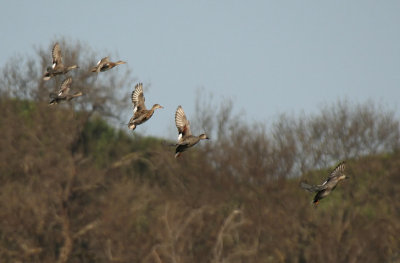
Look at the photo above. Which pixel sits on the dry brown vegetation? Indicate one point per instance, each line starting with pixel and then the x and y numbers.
pixel 74 189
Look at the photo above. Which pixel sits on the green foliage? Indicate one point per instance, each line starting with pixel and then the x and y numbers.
pixel 26 109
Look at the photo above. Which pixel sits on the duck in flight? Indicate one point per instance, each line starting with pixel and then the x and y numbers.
pixel 185 137
pixel 140 113
pixel 58 67
pixel 105 64
pixel 63 93
pixel 329 185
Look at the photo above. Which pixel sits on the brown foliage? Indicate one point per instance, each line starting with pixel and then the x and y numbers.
pixel 73 189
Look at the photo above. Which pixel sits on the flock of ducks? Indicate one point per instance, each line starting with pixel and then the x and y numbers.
pixel 140 113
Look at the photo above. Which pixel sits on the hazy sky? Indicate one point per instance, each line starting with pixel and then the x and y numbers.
pixel 270 57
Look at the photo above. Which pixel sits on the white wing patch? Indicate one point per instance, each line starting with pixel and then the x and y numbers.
pixel 54 65
pixel 98 62
pixel 179 137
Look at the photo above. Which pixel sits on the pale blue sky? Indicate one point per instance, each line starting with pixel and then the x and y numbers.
pixel 270 57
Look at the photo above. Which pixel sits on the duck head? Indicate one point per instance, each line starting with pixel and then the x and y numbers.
pixel 73 67
pixel 157 106
pixel 203 136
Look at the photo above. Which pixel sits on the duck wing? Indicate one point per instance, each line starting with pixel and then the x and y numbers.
pixel 138 98
pixel 56 54
pixel 65 86
pixel 312 188
pixel 103 60
pixel 182 123
pixel 337 171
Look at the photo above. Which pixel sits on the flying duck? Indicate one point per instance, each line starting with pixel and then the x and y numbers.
pixel 63 93
pixel 105 64
pixel 329 185
pixel 140 113
pixel 57 68
pixel 185 137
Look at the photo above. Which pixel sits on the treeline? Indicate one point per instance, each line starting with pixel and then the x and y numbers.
pixel 75 189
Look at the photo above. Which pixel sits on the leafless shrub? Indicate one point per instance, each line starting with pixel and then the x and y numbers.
pixel 73 189
pixel 296 144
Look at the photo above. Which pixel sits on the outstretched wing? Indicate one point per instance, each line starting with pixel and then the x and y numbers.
pixel 338 170
pixel 182 123
pixel 312 188
pixel 103 60
pixel 65 86
pixel 138 98
pixel 56 54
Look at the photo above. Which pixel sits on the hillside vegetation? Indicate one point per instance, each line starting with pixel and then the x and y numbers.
pixel 75 189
